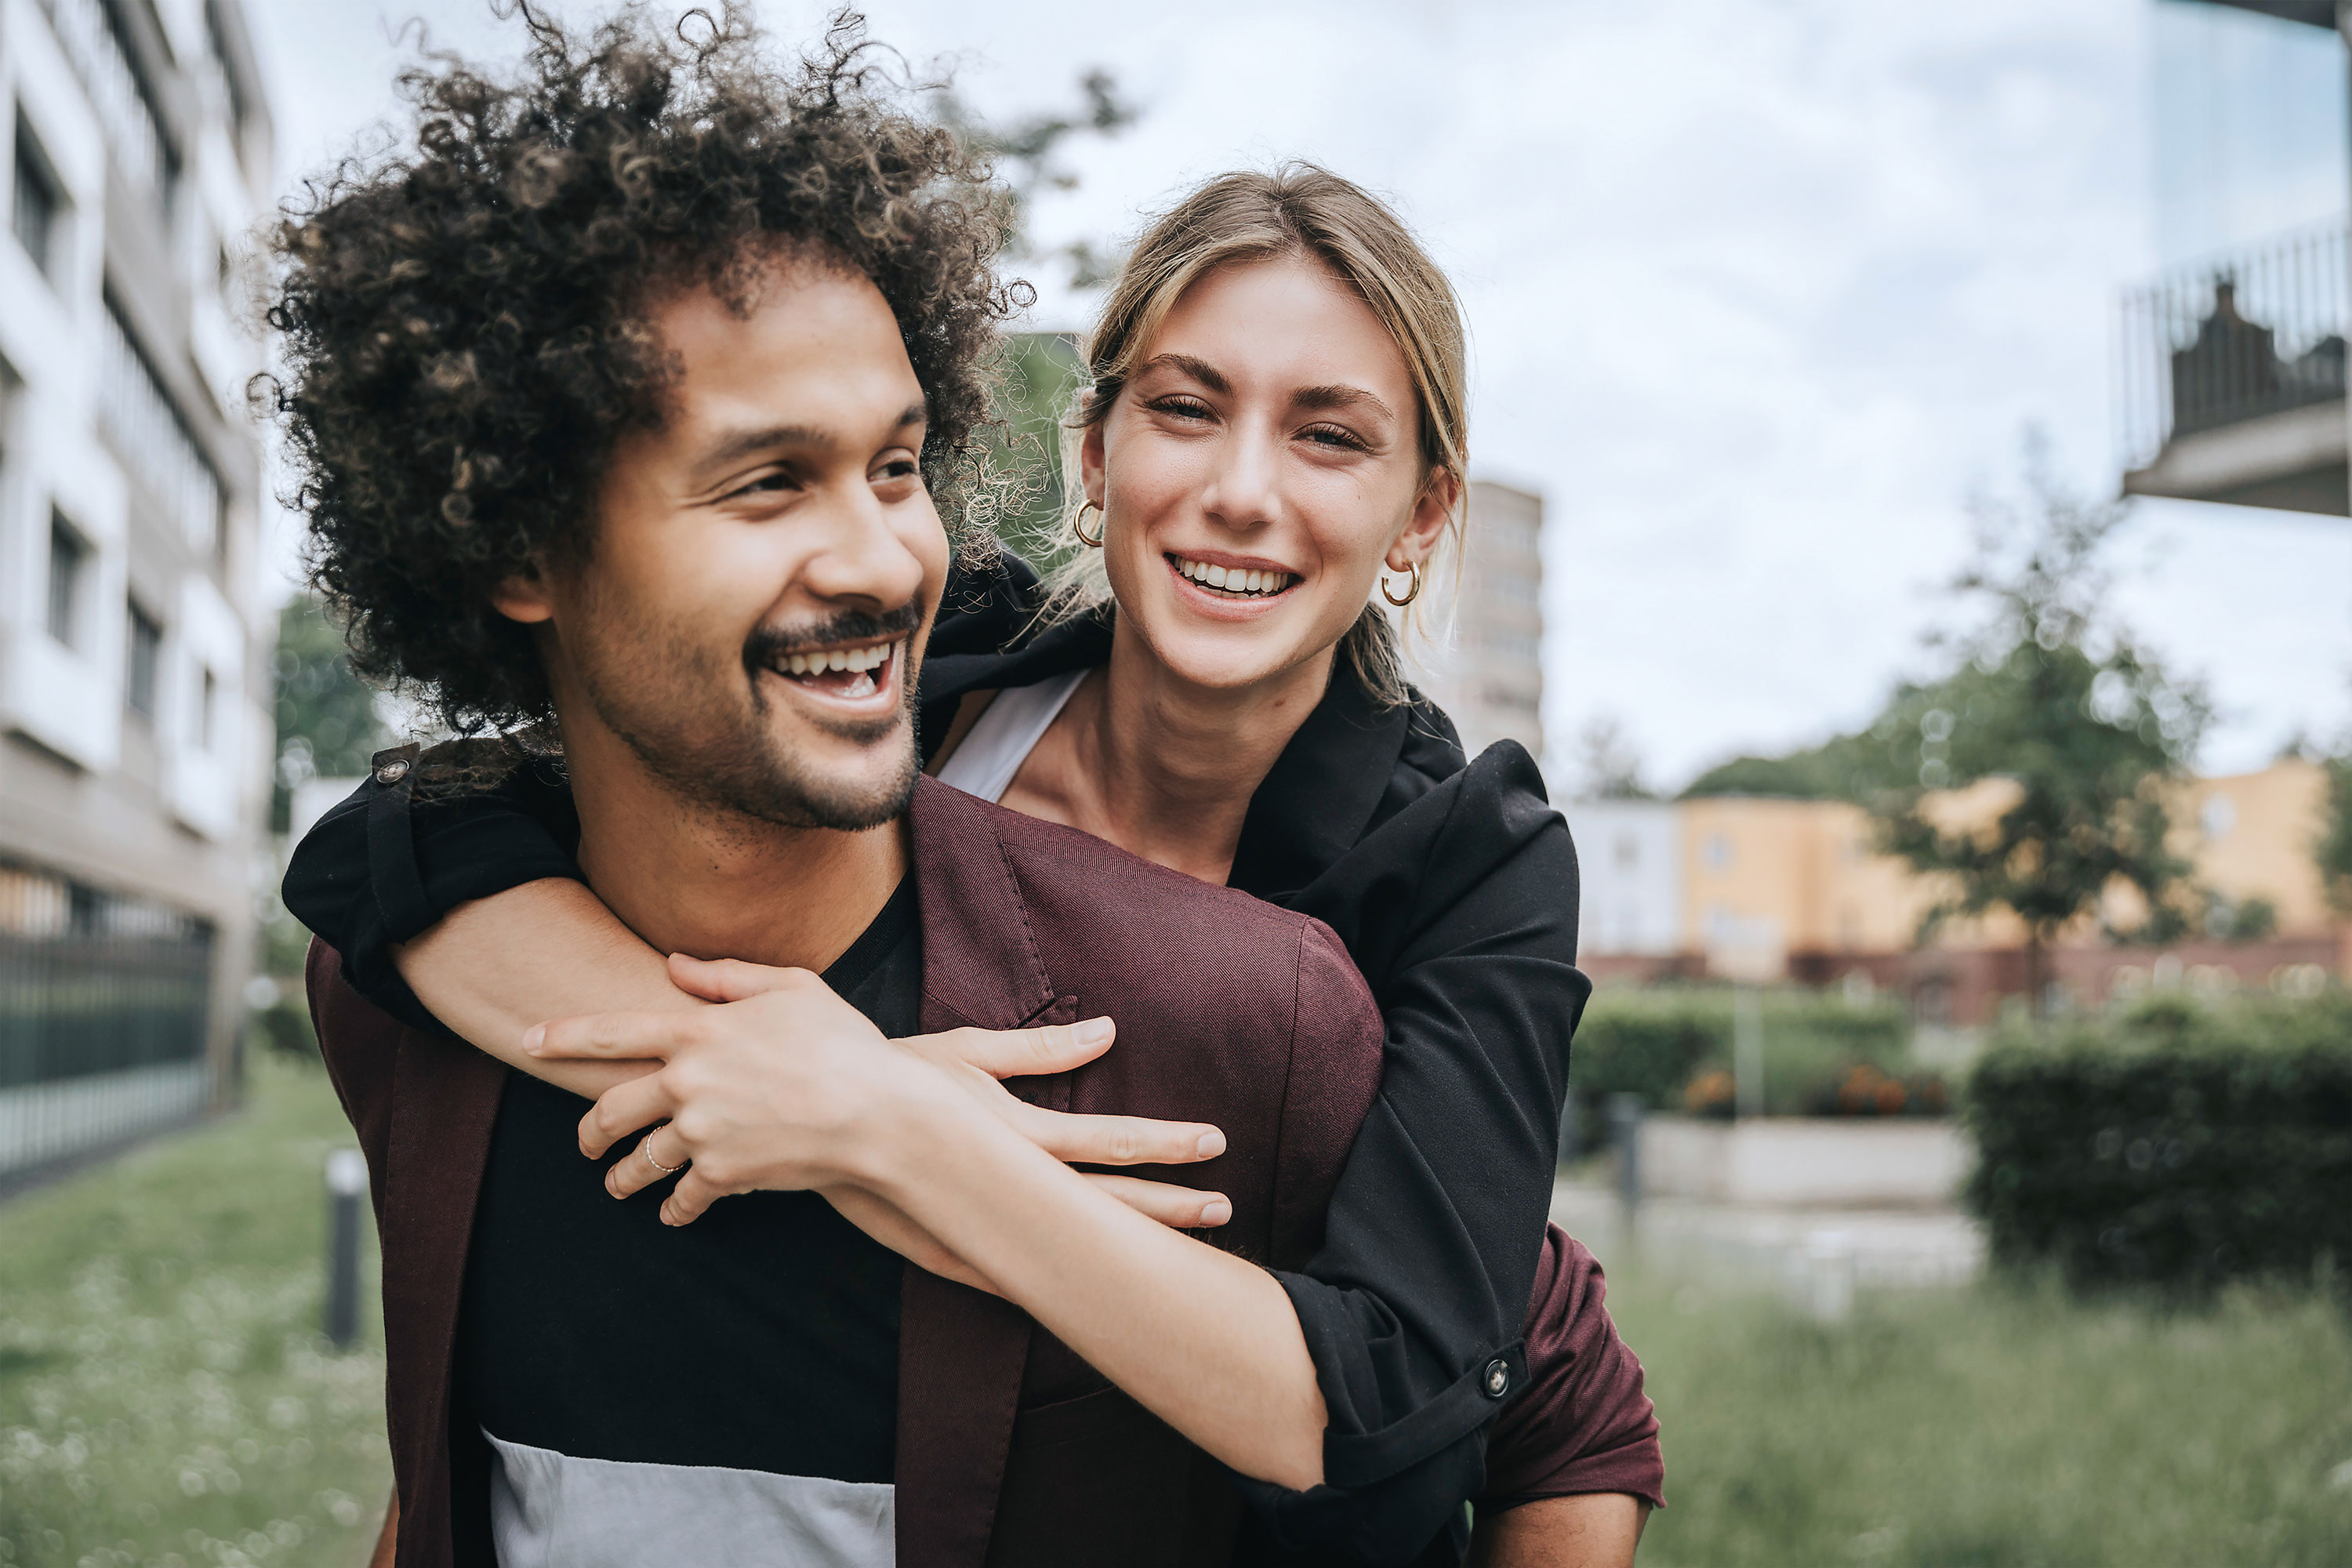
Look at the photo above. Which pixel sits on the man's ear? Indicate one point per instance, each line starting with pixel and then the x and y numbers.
pixel 524 597
pixel 1439 495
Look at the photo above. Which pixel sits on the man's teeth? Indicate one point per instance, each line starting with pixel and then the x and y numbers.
pixel 1235 579
pixel 839 659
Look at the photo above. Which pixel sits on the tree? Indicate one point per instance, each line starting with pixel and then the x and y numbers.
pixel 1039 375
pixel 1605 766
pixel 328 726
pixel 2085 727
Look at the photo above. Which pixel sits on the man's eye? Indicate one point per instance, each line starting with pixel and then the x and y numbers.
pixel 766 484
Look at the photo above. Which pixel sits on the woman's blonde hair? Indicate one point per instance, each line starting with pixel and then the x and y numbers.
pixel 1299 209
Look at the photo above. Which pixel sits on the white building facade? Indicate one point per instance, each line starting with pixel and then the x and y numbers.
pixel 135 734
pixel 1490 680
pixel 1629 857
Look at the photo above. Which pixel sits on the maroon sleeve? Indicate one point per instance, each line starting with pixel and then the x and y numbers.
pixel 1583 1425
pixel 359 1045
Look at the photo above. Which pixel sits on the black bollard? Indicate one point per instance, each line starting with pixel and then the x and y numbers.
pixel 346 1186
pixel 1625 1134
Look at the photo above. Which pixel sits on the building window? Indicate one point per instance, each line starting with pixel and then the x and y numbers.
pixel 146 652
pixel 207 710
pixel 1718 852
pixel 34 202
pixel 68 561
pixel 154 438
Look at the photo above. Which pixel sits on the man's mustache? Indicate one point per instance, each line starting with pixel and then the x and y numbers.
pixel 768 646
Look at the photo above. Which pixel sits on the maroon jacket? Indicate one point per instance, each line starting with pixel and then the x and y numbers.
pixel 1010 1449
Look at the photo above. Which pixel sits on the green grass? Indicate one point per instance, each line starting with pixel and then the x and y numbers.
pixel 165 1398
pixel 2002 1426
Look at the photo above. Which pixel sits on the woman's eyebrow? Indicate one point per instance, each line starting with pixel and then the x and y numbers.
pixel 1200 370
pixel 1338 396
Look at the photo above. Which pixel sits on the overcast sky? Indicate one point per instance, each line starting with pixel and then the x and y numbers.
pixel 1759 291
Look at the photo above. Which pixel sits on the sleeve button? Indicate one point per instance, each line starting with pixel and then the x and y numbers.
pixel 392 770
pixel 1496 1378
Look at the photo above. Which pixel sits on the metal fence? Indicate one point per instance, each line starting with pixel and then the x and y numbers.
pixel 2254 333
pixel 104 1002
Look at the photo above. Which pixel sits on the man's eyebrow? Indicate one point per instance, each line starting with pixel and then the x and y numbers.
pixel 1200 370
pixel 1338 396
pixel 741 444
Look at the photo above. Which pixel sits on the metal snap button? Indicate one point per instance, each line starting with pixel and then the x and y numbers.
pixel 392 770
pixel 1497 1378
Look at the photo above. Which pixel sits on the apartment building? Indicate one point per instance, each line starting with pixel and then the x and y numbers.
pixel 1742 887
pixel 134 729
pixel 2232 359
pixel 1491 678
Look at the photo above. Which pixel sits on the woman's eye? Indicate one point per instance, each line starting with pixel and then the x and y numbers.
pixel 1332 436
pixel 897 468
pixel 1182 407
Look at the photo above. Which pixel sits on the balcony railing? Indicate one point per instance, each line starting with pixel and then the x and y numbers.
pixel 2258 332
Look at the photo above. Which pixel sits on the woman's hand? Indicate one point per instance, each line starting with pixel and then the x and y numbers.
pixel 775 1088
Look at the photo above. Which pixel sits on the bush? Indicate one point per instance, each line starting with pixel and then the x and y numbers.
pixel 1671 1045
pixel 2177 1145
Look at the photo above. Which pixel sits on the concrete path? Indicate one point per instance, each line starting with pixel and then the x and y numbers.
pixel 1872 1247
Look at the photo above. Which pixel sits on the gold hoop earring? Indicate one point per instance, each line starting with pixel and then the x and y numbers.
pixel 1078 527
pixel 1410 594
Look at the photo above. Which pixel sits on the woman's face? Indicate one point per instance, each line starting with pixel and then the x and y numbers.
pixel 1257 471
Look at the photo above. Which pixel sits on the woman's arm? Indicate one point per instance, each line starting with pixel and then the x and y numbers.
pixel 1460 910
pixel 778 1092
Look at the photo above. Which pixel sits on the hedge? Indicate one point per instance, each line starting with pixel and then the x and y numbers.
pixel 2178 1146
pixel 1657 1042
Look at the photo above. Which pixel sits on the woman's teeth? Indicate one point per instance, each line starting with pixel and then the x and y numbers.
pixel 1245 583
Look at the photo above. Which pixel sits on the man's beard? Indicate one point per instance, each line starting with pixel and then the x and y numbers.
pixel 675 706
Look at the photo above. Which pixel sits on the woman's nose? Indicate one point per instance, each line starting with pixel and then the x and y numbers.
pixel 1245 489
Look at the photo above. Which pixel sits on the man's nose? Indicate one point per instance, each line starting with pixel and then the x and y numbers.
pixel 864 558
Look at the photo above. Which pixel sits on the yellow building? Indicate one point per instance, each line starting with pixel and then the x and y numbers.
pixel 1777 889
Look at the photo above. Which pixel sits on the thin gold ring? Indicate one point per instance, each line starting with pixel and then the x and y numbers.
pixel 1410 594
pixel 1078 527
pixel 647 1149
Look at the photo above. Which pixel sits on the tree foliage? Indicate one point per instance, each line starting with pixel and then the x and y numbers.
pixel 327 721
pixel 2086 727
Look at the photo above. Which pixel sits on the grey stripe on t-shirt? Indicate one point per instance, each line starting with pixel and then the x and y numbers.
pixel 553 1510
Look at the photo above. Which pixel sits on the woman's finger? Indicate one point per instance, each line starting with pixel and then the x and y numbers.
pixel 732 979
pixel 659 1155
pixel 689 1199
pixel 1078 1140
pixel 1184 1208
pixel 1023 1053
pixel 622 1109
pixel 619 1034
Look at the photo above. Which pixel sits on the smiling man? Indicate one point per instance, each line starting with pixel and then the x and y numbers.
pixel 621 402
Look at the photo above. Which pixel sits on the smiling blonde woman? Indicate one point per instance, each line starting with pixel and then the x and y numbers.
pixel 1273 444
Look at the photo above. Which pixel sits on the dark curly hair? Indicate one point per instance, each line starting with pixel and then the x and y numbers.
pixel 462 317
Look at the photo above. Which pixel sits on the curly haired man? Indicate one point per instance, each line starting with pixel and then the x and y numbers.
pixel 623 401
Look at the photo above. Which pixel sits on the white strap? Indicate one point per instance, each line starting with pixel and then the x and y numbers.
pixel 1001 739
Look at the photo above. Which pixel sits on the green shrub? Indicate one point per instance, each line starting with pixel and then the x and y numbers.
pixel 1660 1041
pixel 2176 1145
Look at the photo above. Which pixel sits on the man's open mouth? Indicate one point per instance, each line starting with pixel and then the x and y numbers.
pixel 846 674
pixel 1233 582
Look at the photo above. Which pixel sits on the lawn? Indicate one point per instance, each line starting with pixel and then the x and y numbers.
pixel 164 1396
pixel 164 1399
pixel 1998 1427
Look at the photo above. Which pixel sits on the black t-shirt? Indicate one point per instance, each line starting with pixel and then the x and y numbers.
pixel 764 1336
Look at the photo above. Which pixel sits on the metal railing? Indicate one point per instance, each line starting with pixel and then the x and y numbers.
pixel 104 1004
pixel 2257 332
